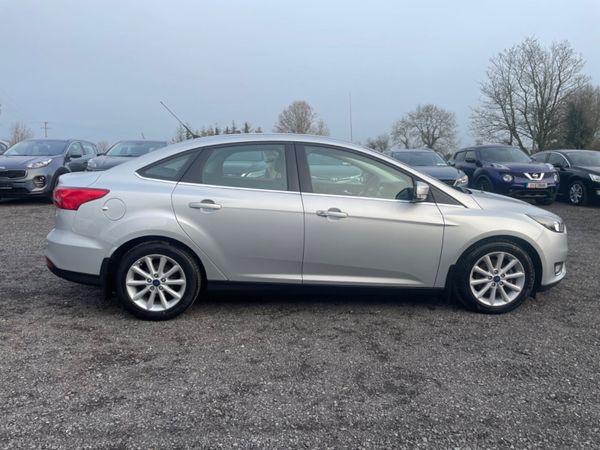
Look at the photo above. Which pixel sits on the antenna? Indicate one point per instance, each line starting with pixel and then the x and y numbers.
pixel 194 135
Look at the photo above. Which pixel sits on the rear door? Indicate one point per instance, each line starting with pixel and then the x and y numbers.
pixel 356 231
pixel 242 207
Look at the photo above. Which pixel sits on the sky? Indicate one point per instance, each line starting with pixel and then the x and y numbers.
pixel 97 70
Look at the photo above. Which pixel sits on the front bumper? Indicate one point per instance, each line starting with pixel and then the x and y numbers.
pixel 553 250
pixel 36 182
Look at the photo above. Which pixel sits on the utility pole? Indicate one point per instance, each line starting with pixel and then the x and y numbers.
pixel 45 129
pixel 350 105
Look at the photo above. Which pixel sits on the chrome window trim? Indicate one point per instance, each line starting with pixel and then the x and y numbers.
pixel 237 188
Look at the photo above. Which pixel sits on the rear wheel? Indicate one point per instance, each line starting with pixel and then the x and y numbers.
pixel 157 281
pixel 578 194
pixel 495 277
pixel 485 184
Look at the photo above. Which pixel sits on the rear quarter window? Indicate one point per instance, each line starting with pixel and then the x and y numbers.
pixel 169 169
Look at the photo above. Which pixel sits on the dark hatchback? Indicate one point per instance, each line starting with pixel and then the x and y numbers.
pixel 431 163
pixel 507 170
pixel 123 151
pixel 579 173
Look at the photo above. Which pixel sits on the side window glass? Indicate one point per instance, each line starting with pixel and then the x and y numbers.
pixel 75 150
pixel 555 158
pixel 254 166
pixel 89 149
pixel 460 156
pixel 470 156
pixel 170 169
pixel 340 172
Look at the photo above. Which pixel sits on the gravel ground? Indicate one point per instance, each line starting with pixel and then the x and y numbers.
pixel 327 370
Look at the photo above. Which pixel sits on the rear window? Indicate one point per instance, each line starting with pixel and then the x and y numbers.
pixel 170 169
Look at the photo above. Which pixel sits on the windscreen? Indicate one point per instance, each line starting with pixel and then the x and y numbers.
pixel 585 159
pixel 133 149
pixel 504 155
pixel 415 158
pixel 37 148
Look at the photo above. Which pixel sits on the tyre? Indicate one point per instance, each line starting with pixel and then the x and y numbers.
pixel 157 281
pixel 485 184
pixel 578 195
pixel 494 277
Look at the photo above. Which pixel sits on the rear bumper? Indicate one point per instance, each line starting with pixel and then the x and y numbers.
pixel 78 277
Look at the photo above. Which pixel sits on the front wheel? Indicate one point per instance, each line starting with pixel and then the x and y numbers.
pixel 485 184
pixel 578 194
pixel 157 281
pixel 495 277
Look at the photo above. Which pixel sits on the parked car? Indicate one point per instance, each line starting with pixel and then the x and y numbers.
pixel 579 173
pixel 32 167
pixel 430 162
pixel 161 228
pixel 3 146
pixel 509 171
pixel 122 151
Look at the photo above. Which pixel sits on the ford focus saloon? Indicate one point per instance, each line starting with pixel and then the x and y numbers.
pixel 299 211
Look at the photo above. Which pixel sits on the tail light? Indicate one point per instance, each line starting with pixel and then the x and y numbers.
pixel 73 198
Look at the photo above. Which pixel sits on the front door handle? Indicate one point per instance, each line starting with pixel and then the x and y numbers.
pixel 205 204
pixel 332 212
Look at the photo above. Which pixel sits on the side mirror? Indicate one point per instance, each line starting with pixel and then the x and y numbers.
pixel 451 163
pixel 75 155
pixel 421 192
pixel 559 166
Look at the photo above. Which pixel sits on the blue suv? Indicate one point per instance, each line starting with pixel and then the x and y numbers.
pixel 507 170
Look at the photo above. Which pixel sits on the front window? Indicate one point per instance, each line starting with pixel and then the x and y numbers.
pixel 37 148
pixel 133 149
pixel 585 158
pixel 504 155
pixel 416 158
pixel 339 172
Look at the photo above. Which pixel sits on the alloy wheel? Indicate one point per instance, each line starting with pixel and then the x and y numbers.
pixel 155 282
pixel 576 193
pixel 497 279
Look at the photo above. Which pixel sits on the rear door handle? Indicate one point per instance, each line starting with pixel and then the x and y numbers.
pixel 332 212
pixel 205 204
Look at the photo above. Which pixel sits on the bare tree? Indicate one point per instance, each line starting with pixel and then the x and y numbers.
pixel 19 132
pixel 102 146
pixel 582 118
pixel 525 93
pixel 403 134
pixel 381 143
pixel 427 126
pixel 299 117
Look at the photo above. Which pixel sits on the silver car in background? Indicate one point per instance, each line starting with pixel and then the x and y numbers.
pixel 295 210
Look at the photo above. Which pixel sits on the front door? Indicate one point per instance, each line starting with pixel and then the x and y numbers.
pixel 356 230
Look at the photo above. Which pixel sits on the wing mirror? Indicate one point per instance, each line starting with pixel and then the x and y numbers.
pixel 560 166
pixel 421 192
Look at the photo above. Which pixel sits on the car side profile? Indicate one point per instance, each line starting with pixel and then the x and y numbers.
pixel 509 171
pixel 430 162
pixel 160 228
pixel 579 173
pixel 31 168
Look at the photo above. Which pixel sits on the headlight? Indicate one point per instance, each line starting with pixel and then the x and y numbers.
pixel 595 178
pixel 462 181
pixel 507 177
pixel 551 223
pixel 38 164
pixel 556 178
pixel 92 164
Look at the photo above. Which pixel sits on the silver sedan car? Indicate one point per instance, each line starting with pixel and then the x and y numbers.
pixel 294 210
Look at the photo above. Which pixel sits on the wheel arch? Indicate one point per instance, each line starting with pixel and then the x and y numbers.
pixel 530 249
pixel 116 256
